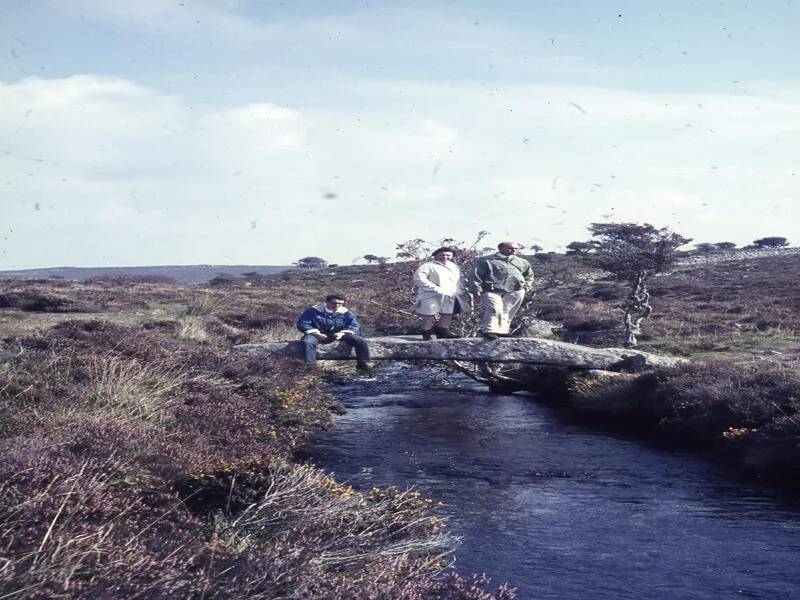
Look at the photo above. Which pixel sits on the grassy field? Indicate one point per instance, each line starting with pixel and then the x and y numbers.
pixel 140 459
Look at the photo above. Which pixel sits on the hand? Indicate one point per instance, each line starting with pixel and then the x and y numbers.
pixel 321 337
pixel 338 336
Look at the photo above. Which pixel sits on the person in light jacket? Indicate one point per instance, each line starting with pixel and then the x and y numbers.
pixel 503 279
pixel 440 293
pixel 332 322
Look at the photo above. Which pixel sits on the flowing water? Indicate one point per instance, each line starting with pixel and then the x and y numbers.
pixel 558 510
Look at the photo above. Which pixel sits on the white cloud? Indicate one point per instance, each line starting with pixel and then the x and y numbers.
pixel 125 174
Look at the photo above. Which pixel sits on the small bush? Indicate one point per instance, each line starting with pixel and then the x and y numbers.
pixel 705 400
pixel 34 302
pixel 608 293
pixel 771 242
pixel 225 280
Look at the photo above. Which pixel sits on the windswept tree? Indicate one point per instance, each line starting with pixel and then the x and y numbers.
pixel 706 248
pixel 311 262
pixel 632 253
pixel 725 246
pixel 579 248
pixel 375 259
pixel 771 242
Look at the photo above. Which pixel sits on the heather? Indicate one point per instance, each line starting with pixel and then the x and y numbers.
pixel 718 311
pixel 750 411
pixel 141 459
pixel 138 463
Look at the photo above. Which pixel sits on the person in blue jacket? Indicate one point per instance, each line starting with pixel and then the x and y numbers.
pixel 330 322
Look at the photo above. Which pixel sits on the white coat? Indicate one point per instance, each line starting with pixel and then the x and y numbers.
pixel 438 285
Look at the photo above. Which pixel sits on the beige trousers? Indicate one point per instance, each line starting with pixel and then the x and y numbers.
pixel 499 309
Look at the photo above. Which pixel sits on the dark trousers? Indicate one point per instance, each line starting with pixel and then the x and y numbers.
pixel 310 343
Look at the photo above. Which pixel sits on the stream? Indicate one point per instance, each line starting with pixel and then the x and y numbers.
pixel 559 510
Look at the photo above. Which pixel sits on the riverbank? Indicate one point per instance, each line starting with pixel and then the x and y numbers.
pixel 744 415
pixel 138 458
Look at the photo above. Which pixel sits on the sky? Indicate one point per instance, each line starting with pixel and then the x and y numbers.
pixel 259 132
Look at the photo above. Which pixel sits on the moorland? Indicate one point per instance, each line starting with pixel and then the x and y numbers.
pixel 141 459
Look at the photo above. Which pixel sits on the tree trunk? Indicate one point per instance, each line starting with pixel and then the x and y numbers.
pixel 637 308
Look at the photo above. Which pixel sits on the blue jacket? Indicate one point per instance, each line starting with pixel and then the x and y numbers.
pixel 316 319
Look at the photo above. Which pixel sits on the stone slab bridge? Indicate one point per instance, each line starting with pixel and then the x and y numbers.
pixel 535 351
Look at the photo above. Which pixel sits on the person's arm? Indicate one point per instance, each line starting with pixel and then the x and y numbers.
pixel 305 323
pixel 423 281
pixel 528 274
pixel 350 325
pixel 481 274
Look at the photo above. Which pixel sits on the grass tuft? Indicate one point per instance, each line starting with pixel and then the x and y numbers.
pixel 126 389
pixel 206 304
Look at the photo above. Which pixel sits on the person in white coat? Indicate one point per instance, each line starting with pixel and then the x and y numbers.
pixel 440 293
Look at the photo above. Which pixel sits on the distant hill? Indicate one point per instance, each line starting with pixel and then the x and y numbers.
pixel 179 273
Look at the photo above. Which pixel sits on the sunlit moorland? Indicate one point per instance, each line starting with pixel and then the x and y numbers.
pixel 141 457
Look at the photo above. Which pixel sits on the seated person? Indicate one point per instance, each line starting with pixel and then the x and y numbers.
pixel 332 322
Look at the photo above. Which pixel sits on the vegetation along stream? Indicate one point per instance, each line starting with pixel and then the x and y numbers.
pixel 558 510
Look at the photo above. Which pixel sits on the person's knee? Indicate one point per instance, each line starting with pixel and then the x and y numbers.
pixel 358 342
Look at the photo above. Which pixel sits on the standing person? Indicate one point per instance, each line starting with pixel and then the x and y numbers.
pixel 503 278
pixel 332 322
pixel 440 292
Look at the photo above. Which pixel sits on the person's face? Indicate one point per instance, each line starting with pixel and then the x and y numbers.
pixel 334 304
pixel 508 249
pixel 443 256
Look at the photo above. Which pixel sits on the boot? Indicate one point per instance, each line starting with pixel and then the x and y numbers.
pixel 427 334
pixel 443 333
